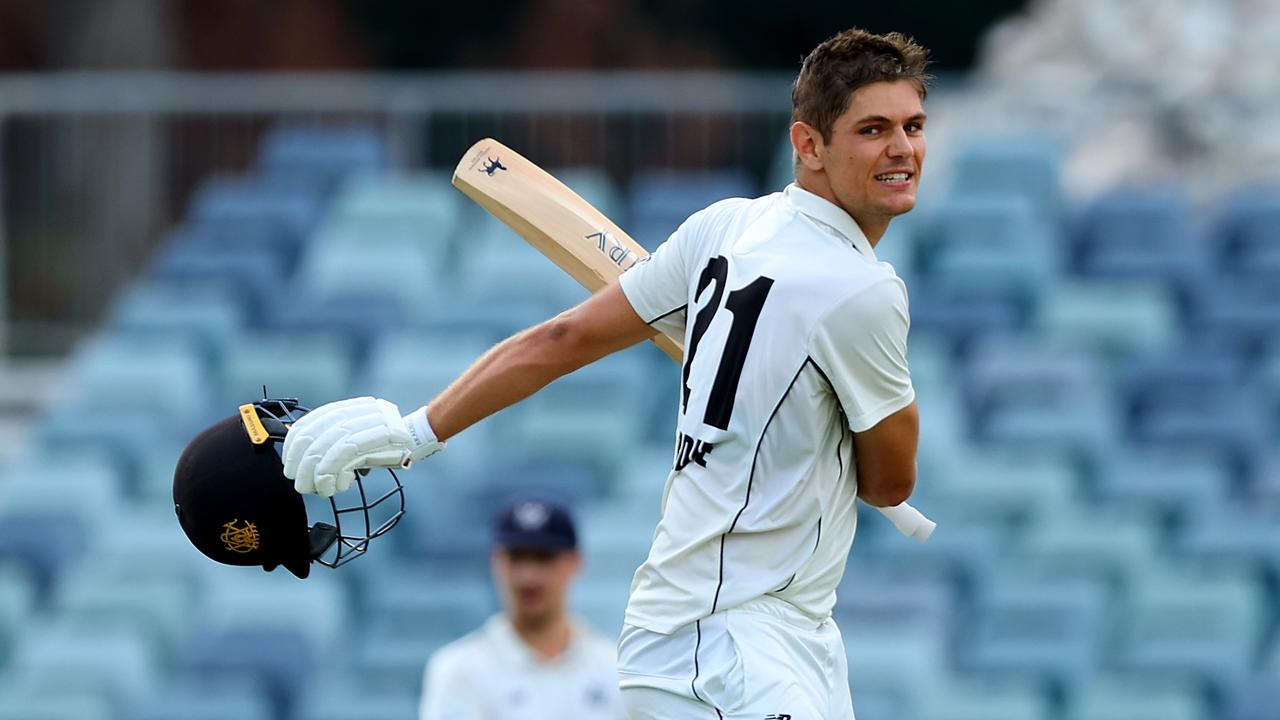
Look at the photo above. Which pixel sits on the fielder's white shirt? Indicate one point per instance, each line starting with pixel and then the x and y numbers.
pixel 795 337
pixel 491 674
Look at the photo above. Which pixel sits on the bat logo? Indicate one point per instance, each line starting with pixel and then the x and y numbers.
pixel 609 246
pixel 493 166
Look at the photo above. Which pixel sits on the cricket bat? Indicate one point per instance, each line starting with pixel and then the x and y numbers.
pixel 582 241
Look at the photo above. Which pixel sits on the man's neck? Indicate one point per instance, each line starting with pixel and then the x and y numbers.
pixel 872 228
pixel 547 639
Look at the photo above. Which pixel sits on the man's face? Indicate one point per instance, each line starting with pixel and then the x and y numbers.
pixel 534 583
pixel 876 151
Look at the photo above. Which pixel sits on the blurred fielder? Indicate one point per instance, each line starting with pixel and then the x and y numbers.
pixel 795 399
pixel 533 660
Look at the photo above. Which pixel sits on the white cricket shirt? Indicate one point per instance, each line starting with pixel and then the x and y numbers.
pixel 795 335
pixel 490 674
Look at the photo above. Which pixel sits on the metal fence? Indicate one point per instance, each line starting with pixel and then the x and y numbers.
pixel 96 167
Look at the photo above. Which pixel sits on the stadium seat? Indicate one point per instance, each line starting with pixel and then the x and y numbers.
pixel 17 600
pixel 501 267
pixel 1258 700
pixel 1036 627
pixel 199 315
pixel 165 377
pixel 315 369
pixel 959 317
pixel 1232 535
pixel 359 318
pixel 877 601
pixel 248 601
pixel 601 603
pixel 152 608
pixel 76 655
pixel 285 212
pixel 249 273
pixel 991 700
pixel 1239 312
pixel 961 549
pixel 277 660
pixel 1039 396
pixel 389 664
pixel 327 153
pixel 660 200
pixel 1099 543
pixel 400 270
pixel 1248 231
pixel 615 537
pixel 1126 698
pixel 190 696
pixel 1023 165
pixel 1203 626
pixel 342 699
pixel 423 205
pixel 1008 486
pixel 23 699
pixel 1109 317
pixel 1175 481
pixel 412 600
pixel 1131 232
pixel 988 243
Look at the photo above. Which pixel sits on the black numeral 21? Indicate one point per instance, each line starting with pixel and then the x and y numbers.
pixel 745 303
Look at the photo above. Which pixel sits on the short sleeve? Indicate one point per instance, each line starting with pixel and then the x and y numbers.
pixel 658 286
pixel 861 347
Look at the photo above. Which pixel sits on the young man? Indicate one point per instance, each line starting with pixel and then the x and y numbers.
pixel 795 398
pixel 532 660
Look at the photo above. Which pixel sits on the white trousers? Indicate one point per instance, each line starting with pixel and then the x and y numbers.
pixel 763 660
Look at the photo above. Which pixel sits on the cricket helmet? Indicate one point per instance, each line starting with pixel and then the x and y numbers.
pixel 237 507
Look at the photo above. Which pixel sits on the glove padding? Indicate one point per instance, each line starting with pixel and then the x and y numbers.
pixel 323 450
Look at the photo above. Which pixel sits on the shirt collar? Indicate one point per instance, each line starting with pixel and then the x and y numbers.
pixel 831 215
pixel 505 635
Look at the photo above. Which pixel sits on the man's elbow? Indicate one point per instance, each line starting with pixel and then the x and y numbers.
pixel 887 490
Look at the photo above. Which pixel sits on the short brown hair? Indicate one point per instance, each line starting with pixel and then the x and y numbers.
pixel 843 63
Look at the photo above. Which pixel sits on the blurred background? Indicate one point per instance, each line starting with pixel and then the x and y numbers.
pixel 198 198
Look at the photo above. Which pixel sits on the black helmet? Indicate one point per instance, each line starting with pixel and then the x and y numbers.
pixel 237 507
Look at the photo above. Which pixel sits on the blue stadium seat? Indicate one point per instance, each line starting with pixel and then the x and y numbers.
pixel 1202 626
pixel 388 664
pixel 153 608
pixel 874 601
pixel 659 200
pixel 601 603
pixel 400 270
pixel 17 601
pixel 962 316
pixel 1175 481
pixel 1248 231
pixel 1232 535
pixel 80 655
pixel 1101 543
pixel 410 600
pixel 988 243
pixel 285 212
pixel 1132 232
pixel 358 318
pixel 248 601
pixel 1239 312
pixel 314 369
pixel 328 153
pixel 1010 486
pixel 250 273
pixel 278 661
pixel 1039 395
pixel 501 267
pixel 198 315
pixel 190 696
pixel 342 699
pixel 26 698
pixel 615 537
pixel 1109 317
pixel 961 549
pixel 1257 700
pixel 1120 697
pixel 1023 165
pixel 163 376
pixel 423 205
pixel 1030 626
pixel 1001 699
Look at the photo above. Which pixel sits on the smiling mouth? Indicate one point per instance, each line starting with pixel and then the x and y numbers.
pixel 894 177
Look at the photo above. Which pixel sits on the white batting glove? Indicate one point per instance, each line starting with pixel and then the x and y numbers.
pixel 323 450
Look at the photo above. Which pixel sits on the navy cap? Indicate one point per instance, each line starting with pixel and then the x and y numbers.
pixel 535 524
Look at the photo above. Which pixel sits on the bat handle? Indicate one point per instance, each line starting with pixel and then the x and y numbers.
pixel 909 521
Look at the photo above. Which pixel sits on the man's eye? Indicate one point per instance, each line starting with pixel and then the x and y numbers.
pixel 870 131
pixel 915 127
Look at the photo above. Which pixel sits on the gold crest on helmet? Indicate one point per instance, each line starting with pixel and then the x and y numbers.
pixel 240 539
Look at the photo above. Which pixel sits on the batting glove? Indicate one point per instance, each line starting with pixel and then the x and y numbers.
pixel 323 450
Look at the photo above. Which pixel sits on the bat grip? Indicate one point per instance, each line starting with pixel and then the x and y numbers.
pixel 909 521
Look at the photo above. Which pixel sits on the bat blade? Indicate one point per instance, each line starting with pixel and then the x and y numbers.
pixel 552 218
pixel 582 241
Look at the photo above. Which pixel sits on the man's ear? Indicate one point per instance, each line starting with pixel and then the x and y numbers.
pixel 808 145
